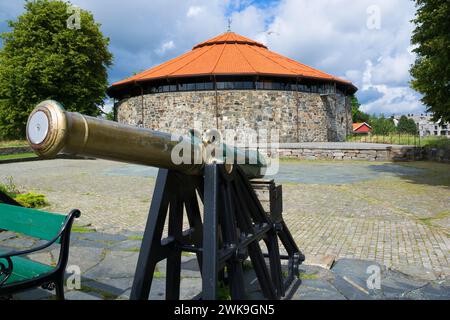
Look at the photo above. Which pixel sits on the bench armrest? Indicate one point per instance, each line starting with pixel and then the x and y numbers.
pixel 73 214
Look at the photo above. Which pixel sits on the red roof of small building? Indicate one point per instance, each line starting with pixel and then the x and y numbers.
pixel 230 54
pixel 361 127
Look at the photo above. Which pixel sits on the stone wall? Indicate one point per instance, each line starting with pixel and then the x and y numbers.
pixel 15 150
pixel 299 117
pixel 435 154
pixel 340 152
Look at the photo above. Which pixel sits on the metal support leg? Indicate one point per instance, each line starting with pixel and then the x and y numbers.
pixel 151 242
pixel 173 266
pixel 210 236
pixel 234 224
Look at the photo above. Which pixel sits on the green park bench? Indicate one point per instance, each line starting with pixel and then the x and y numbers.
pixel 17 272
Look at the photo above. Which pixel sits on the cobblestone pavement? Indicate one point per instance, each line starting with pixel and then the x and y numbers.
pixel 107 263
pixel 401 221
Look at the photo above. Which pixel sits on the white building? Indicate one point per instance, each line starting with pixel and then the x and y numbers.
pixel 426 126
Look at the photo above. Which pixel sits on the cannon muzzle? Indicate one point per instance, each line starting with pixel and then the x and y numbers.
pixel 52 130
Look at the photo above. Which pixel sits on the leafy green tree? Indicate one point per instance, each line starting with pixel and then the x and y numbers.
pixel 431 71
pixel 110 116
pixel 406 125
pixel 44 57
pixel 357 115
pixel 381 125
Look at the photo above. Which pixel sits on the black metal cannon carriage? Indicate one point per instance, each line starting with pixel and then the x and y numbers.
pixel 228 230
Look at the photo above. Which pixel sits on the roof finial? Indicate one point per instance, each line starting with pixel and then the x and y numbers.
pixel 230 21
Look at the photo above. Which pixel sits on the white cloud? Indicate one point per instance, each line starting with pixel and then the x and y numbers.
pixel 166 46
pixel 394 100
pixel 331 35
pixel 194 11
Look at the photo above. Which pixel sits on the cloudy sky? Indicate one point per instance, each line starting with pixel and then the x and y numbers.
pixel 365 41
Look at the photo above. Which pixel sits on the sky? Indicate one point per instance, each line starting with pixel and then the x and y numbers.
pixel 365 41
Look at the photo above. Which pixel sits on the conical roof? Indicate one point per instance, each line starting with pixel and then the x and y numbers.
pixel 230 54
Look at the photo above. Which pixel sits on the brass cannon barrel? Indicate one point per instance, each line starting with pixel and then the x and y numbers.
pixel 52 130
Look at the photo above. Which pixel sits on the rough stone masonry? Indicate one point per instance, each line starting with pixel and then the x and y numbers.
pixel 298 116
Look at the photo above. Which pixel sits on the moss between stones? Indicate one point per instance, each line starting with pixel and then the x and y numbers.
pixel 137 238
pixel 304 276
pixel 82 229
pixel 105 295
pixel 429 220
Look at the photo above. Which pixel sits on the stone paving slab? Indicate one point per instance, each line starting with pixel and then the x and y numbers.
pixel 399 219
pixel 107 273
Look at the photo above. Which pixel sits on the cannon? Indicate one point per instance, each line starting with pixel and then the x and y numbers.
pixel 223 235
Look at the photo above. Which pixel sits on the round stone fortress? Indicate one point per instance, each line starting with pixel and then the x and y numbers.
pixel 232 82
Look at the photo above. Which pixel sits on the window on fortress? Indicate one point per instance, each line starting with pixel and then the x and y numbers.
pixel 323 88
pixel 249 85
pixel 277 86
pixel 200 86
pixel 220 85
pixel 243 85
pixel 267 85
pixel 229 85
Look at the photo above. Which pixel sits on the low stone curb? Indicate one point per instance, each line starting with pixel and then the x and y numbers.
pixel 15 150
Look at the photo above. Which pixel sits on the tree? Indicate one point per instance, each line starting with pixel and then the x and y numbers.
pixel 43 58
pixel 431 71
pixel 381 125
pixel 406 125
pixel 357 115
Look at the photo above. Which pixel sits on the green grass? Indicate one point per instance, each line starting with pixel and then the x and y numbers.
pixel 13 143
pixel 138 238
pixel 82 229
pixel 223 291
pixel 305 276
pixel 431 141
pixel 18 156
pixel 437 142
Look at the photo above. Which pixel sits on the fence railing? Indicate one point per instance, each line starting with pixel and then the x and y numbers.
pixel 401 139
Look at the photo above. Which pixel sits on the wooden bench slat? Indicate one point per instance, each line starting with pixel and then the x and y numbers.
pixel 34 223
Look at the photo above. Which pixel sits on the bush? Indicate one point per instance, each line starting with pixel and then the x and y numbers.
pixel 28 200
pixel 31 200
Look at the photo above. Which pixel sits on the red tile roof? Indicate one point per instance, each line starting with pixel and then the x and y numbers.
pixel 230 54
pixel 357 126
